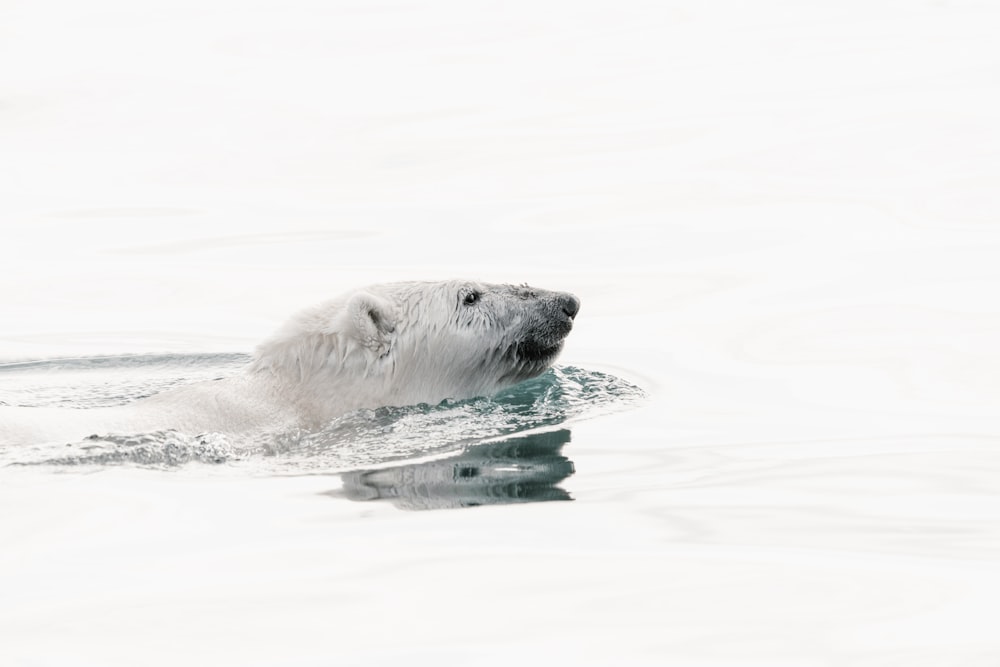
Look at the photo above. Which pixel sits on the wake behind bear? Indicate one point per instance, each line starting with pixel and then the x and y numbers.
pixel 385 345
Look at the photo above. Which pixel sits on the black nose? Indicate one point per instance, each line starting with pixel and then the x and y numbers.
pixel 570 304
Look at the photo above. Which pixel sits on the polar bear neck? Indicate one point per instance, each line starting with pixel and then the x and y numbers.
pixel 326 375
pixel 319 374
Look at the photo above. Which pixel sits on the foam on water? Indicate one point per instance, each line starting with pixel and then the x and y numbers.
pixel 361 439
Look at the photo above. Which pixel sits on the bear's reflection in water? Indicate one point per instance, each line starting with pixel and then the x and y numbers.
pixel 524 469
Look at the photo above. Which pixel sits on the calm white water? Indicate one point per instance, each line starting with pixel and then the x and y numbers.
pixel 781 220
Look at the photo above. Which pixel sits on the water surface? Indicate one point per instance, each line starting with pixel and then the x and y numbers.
pixel 781 220
pixel 484 463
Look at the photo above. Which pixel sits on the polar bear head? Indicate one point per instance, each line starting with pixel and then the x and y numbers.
pixel 415 342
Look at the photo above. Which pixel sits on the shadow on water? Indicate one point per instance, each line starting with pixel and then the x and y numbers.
pixel 523 469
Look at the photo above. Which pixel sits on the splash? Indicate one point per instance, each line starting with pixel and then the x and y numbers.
pixel 362 439
pixel 376 437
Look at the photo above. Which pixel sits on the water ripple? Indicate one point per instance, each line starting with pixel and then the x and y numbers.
pixel 363 439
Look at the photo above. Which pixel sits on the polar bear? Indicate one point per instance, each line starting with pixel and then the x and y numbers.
pixel 385 345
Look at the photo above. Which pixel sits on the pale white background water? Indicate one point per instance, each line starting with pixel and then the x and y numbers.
pixel 781 218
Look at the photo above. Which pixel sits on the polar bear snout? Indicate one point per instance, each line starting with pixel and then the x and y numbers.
pixel 569 304
pixel 541 338
pixel 559 311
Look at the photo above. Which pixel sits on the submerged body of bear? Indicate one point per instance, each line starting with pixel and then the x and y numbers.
pixel 386 345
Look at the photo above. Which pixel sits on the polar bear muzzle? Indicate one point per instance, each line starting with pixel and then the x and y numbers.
pixel 540 337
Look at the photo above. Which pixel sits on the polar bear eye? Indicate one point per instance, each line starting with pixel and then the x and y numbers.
pixel 471 299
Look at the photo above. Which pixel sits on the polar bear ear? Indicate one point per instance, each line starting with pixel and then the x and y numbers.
pixel 371 320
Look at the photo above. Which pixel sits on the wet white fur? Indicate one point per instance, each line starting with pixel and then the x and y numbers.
pixel 394 344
